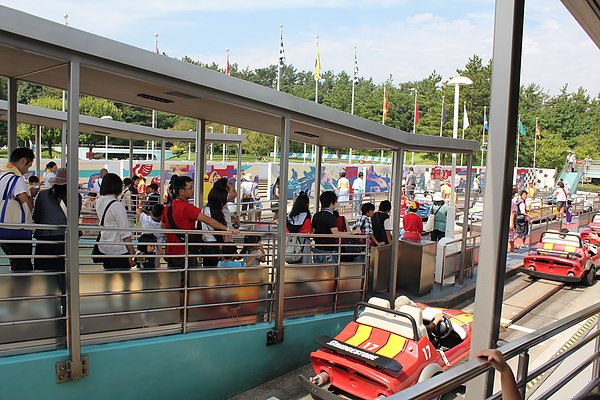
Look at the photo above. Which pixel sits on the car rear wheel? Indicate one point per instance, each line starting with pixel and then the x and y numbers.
pixel 590 277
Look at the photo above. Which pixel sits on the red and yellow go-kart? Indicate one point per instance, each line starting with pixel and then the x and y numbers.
pixel 562 256
pixel 592 233
pixel 385 350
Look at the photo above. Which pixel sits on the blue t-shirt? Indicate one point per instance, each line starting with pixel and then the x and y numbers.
pixel 231 264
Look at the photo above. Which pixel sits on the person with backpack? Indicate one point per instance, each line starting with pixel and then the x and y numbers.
pixel 298 221
pixel 439 213
pixel 13 186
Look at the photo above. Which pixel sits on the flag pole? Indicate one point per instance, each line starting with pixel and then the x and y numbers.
pixel 412 153
pixel 317 73
pixel 279 66
pixel 384 104
pixel 483 133
pixel 354 77
pixel 441 128
pixel 535 137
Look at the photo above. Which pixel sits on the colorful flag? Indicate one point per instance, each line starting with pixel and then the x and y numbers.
pixel 227 68
pixel 538 131
pixel 465 117
pixel 386 106
pixel 417 113
pixel 355 76
pixel 522 130
pixel 281 51
pixel 486 125
pixel 317 71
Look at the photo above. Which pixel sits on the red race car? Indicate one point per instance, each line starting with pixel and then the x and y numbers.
pixel 592 233
pixel 562 256
pixel 385 350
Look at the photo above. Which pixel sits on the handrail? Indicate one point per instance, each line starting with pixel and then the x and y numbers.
pixel 460 374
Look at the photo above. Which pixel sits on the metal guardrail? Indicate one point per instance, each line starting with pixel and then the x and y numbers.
pixel 473 244
pixel 461 374
pixel 144 302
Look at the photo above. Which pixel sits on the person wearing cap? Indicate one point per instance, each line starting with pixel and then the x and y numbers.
pixel 413 224
pixel 439 212
pixel 51 209
pixel 249 192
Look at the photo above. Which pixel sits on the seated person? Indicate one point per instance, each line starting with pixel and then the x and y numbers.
pixel 563 232
pixel 227 259
pixel 438 329
pixel 145 248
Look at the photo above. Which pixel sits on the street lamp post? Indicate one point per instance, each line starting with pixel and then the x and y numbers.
pixel 451 218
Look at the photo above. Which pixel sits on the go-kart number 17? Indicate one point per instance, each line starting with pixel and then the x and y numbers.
pixel 370 346
pixel 427 352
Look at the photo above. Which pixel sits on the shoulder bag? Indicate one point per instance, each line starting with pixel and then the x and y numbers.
pixel 95 250
pixel 12 211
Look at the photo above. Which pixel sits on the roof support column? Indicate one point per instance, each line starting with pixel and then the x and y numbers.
pixel 163 153
pixel 200 162
pixel 275 336
pixel 63 145
pixel 38 150
pixel 131 160
pixel 465 224
pixel 506 67
pixel 76 366
pixel 238 181
pixel 318 167
pixel 12 114
pixel 397 172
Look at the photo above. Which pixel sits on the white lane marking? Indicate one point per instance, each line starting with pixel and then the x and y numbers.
pixel 521 328
pixel 508 325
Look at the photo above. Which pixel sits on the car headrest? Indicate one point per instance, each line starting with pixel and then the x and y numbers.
pixel 377 301
pixel 403 301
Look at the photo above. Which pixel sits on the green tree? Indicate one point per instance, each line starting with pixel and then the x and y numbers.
pixel 551 151
pixel 96 108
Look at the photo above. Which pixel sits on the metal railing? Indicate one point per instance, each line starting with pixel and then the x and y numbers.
pixel 146 301
pixel 461 374
pixel 466 262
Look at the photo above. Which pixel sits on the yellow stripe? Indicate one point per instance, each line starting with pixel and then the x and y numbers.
pixel 570 249
pixel 463 319
pixel 362 333
pixel 394 346
pixel 548 246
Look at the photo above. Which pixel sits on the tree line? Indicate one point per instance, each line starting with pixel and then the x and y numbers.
pixel 568 120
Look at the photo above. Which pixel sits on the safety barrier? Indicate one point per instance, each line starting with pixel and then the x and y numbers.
pixel 122 304
pixel 466 262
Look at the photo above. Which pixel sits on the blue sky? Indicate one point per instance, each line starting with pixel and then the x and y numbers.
pixel 408 39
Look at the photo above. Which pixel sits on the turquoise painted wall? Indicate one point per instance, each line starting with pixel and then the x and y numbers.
pixel 207 365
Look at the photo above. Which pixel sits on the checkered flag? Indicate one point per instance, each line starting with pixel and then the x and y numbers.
pixel 281 51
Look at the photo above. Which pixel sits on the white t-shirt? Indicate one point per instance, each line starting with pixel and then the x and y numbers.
pixel 358 185
pixel 560 194
pixel 116 216
pixel 387 224
pixel 149 223
pixel 206 227
pixel 20 186
pixel 248 188
pixel 97 184
pixel 47 176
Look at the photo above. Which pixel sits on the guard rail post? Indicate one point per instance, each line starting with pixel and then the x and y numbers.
pixel 522 371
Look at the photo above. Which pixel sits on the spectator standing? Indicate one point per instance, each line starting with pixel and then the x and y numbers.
pixel 358 191
pixel 217 200
pixel 249 192
pixel 413 224
pixel 98 182
pixel 382 224
pixel 129 195
pixel 20 161
pixel 343 189
pixel 476 187
pixel 153 196
pixel 115 215
pixel 364 224
pixel 299 221
pixel 49 172
pixel 560 196
pixel 170 190
pixel 572 161
pixel 511 224
pixel 324 222
pixel 275 191
pixel 531 190
pixel 51 209
pixel 33 186
pixel 439 213
pixel 522 217
pixel 411 183
pixel 184 216
pixel 232 221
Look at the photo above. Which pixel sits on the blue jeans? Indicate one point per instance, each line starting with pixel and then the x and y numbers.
pixel 327 256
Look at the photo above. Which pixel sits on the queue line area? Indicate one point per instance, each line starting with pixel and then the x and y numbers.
pixel 140 302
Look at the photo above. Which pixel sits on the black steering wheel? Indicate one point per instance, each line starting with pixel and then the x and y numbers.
pixel 443 329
